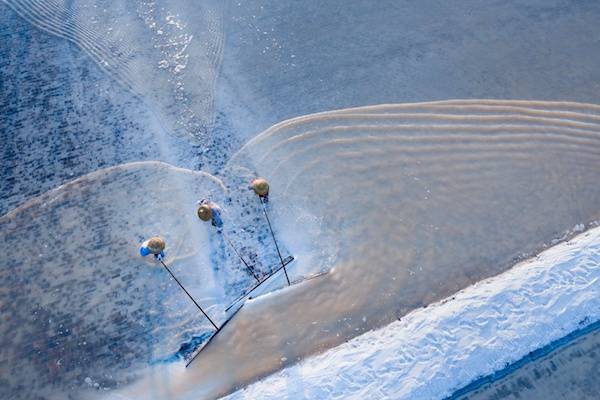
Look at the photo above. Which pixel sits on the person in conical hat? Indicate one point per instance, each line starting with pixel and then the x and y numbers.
pixel 261 188
pixel 155 245
pixel 209 211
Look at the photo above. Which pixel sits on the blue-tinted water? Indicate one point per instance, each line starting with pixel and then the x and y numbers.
pixel 569 371
pixel 64 115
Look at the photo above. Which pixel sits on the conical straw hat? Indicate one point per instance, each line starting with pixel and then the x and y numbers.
pixel 204 212
pixel 260 186
pixel 156 245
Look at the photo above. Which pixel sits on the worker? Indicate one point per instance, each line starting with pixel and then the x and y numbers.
pixel 261 188
pixel 156 246
pixel 209 211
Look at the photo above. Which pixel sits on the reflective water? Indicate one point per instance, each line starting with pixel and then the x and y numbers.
pixel 440 195
pixel 407 204
pixel 570 372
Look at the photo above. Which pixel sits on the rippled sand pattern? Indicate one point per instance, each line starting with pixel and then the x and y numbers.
pixel 150 47
pixel 406 204
pixel 62 117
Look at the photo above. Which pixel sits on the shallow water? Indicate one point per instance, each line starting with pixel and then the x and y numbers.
pixel 460 190
pixel 292 58
pixel 63 117
pixel 433 196
pixel 459 342
pixel 166 52
pixel 570 372
pixel 78 303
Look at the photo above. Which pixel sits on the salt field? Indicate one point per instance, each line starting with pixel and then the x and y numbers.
pixel 433 172
pixel 433 351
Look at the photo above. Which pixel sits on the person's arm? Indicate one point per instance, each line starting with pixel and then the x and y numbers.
pixel 216 218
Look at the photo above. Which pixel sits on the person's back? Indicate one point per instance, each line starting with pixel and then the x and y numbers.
pixel 210 211
pixel 154 245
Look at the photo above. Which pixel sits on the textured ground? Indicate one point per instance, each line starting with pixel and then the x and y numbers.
pixel 458 189
pixel 77 300
pixel 92 84
pixel 434 351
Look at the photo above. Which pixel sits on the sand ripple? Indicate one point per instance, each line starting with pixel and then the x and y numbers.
pixel 406 204
pixel 149 47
